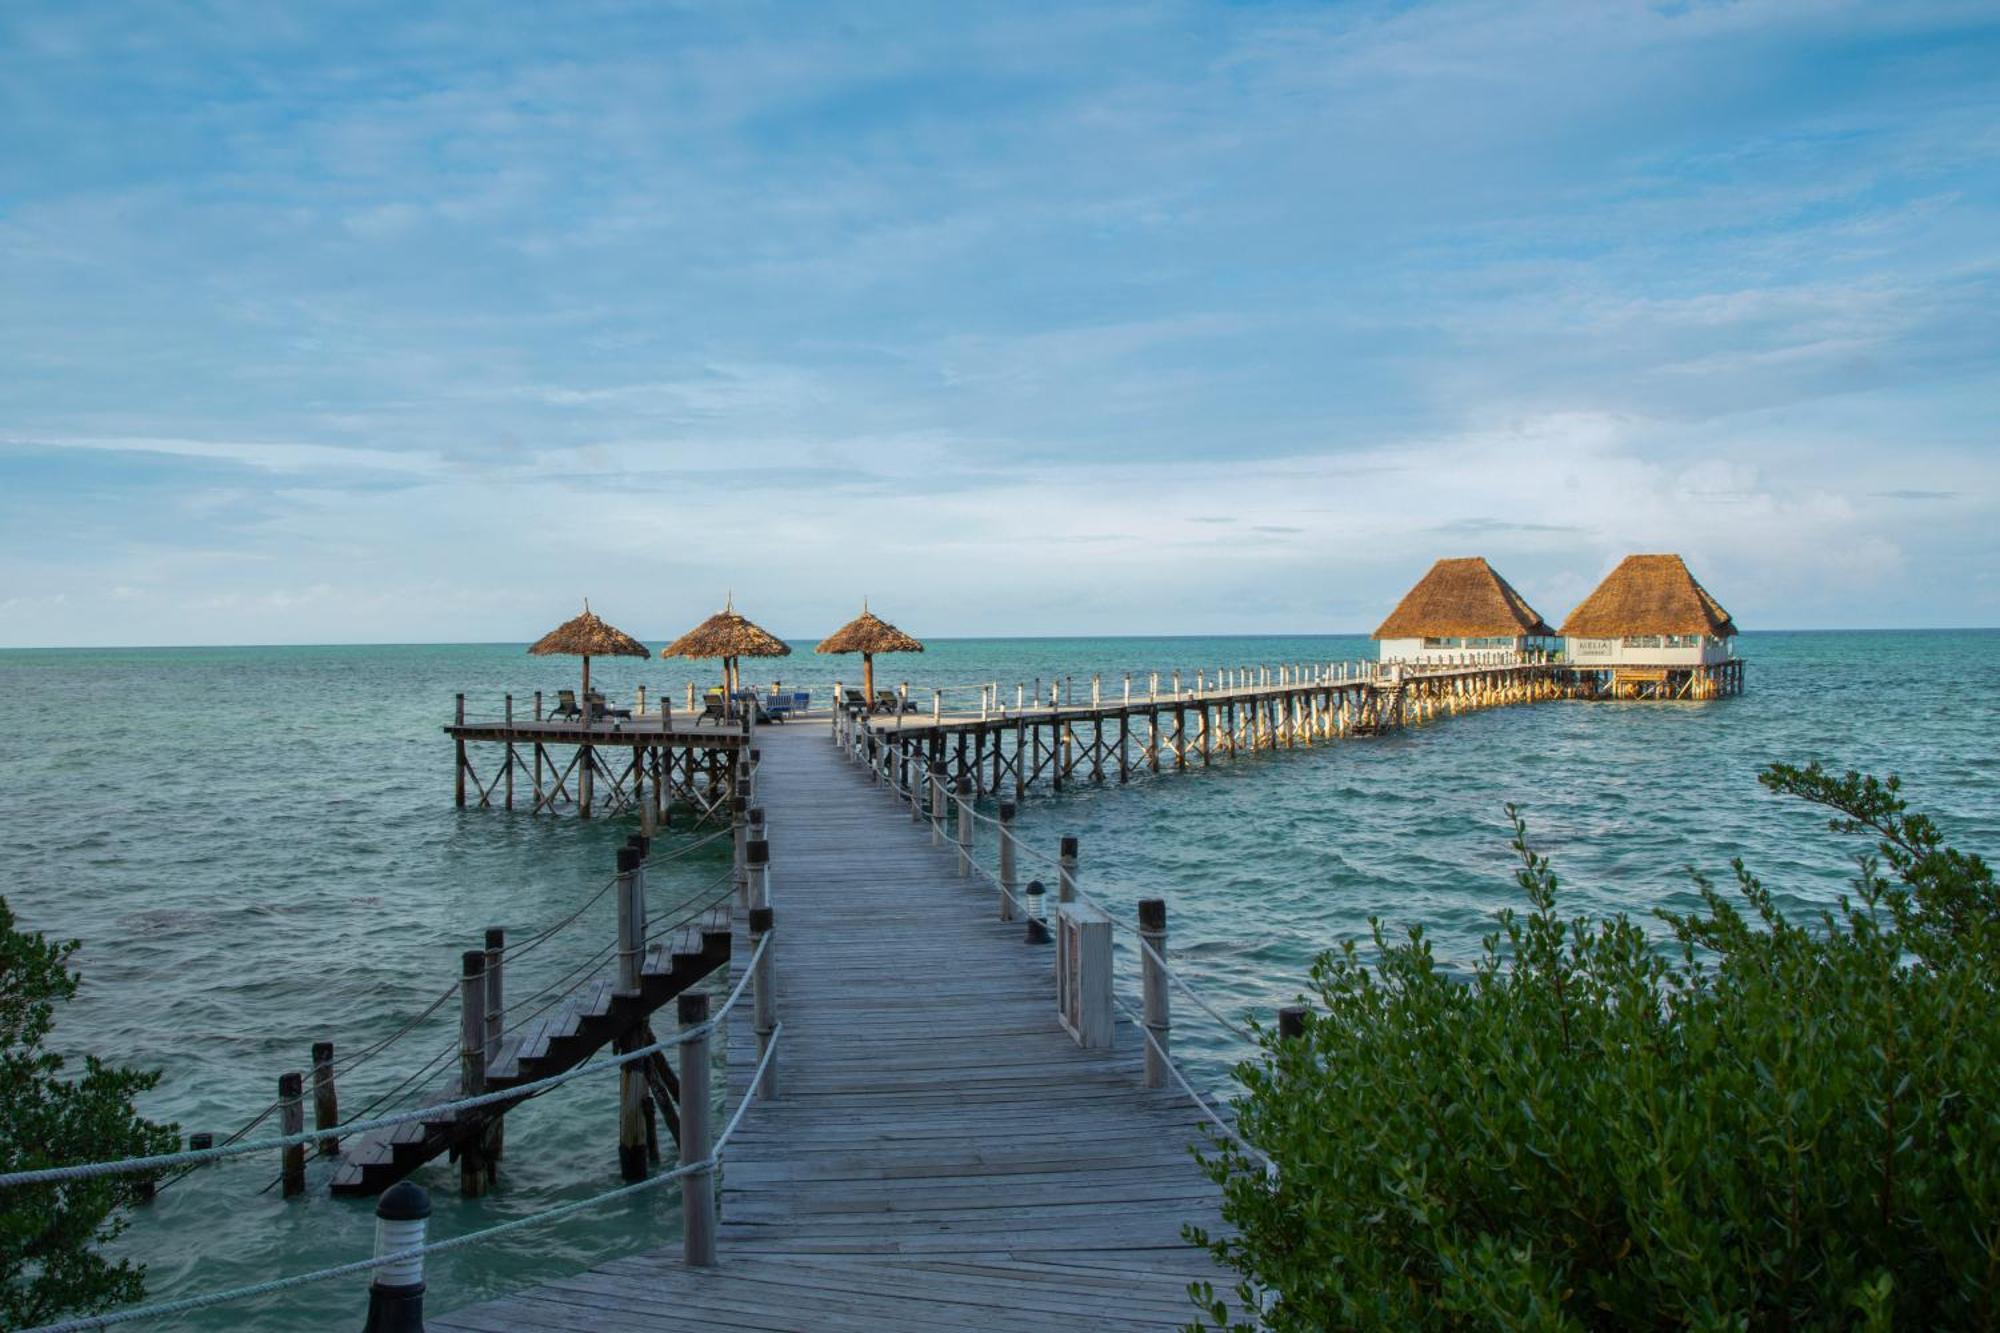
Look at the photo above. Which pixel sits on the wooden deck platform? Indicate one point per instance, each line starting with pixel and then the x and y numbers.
pixel 941 1153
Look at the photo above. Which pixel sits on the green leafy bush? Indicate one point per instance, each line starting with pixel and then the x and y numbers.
pixel 49 1234
pixel 1759 1125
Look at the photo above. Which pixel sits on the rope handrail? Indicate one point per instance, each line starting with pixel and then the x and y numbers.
pixel 189 1304
pixel 437 1111
pixel 1173 1067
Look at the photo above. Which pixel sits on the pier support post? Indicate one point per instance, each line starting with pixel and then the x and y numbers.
pixel 697 1188
pixel 1153 934
pixel 1006 860
pixel 473 1175
pixel 631 891
pixel 292 1120
pixel 396 1294
pixel 1066 871
pixel 458 778
pixel 510 752
pixel 965 828
pixel 326 1107
pixel 764 996
pixel 739 823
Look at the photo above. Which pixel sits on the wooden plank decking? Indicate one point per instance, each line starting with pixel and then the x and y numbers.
pixel 941 1153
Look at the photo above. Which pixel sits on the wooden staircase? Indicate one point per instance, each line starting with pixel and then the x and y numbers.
pixel 1384 711
pixel 595 1016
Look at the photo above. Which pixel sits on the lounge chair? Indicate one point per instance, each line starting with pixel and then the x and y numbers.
pixel 887 702
pixel 566 705
pixel 599 709
pixel 713 706
pixel 854 699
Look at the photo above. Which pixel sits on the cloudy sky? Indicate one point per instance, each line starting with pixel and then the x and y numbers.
pixel 353 322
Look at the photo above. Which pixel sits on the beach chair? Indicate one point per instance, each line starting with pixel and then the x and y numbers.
pixel 713 706
pixel 566 705
pixel 600 709
pixel 854 699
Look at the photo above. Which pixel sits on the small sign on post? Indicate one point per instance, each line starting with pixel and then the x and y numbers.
pixel 1083 974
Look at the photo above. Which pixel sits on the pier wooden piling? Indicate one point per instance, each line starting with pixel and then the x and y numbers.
pixel 291 1121
pixel 326 1106
pixel 473 1174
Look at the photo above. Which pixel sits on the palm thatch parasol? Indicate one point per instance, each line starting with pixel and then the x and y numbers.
pixel 868 634
pixel 587 637
pixel 727 635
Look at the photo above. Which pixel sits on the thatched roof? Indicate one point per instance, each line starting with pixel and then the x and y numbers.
pixel 727 634
pixel 1648 594
pixel 587 636
pixel 1462 599
pixel 868 633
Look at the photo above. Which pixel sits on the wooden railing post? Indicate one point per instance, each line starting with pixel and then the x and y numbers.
pixel 1292 1022
pixel 964 828
pixel 326 1106
pixel 458 782
pixel 292 1120
pixel 396 1292
pixel 510 752
pixel 764 996
pixel 837 719
pixel 496 1015
pixel 1006 860
pixel 697 1188
pixel 472 1172
pixel 937 705
pixel 1153 933
pixel 631 932
pixel 1066 871
pixel 757 890
pixel 739 822
pixel 937 802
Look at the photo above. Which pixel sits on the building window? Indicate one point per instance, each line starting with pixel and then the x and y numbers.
pixel 1642 641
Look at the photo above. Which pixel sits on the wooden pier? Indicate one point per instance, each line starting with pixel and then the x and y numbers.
pixel 940 1152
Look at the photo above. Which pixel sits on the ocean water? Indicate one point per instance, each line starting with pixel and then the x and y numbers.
pixel 258 849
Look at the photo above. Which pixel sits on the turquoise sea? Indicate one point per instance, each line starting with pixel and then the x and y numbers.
pixel 258 848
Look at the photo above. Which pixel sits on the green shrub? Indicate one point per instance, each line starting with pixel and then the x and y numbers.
pixel 50 1234
pixel 1758 1125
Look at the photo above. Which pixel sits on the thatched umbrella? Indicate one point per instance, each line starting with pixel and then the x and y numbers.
pixel 728 636
pixel 868 634
pixel 587 637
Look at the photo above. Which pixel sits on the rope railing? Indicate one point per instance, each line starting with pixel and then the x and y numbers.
pixel 437 1111
pixel 189 1304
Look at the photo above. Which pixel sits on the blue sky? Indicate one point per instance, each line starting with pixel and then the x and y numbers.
pixel 354 322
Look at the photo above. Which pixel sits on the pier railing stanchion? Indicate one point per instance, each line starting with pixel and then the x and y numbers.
pixel 1066 871
pixel 472 1172
pixel 697 1188
pixel 1153 934
pixel 937 802
pixel 292 1120
pixel 496 1014
pixel 764 998
pixel 396 1293
pixel 964 828
pixel 1006 860
pixel 1291 1022
pixel 631 953
pixel 458 779
pixel 510 752
pixel 326 1106
pixel 757 853
pixel 739 821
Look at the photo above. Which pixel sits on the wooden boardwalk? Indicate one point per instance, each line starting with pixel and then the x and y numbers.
pixel 941 1153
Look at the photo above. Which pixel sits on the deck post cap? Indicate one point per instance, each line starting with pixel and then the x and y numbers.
pixel 1292 1021
pixel 322 1052
pixel 1035 888
pixel 628 860
pixel 757 852
pixel 1006 810
pixel 756 814
pixel 404 1201
pixel 964 786
pixel 1069 845
pixel 1152 914
pixel 761 920
pixel 739 806
pixel 291 1083
pixel 496 937
pixel 474 962
pixel 691 1007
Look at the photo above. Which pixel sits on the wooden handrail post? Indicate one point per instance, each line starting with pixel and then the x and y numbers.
pixel 764 996
pixel 758 888
pixel 937 802
pixel 631 930
pixel 1096 690
pixel 458 780
pixel 964 828
pixel 697 1188
pixel 292 1120
pixel 1066 870
pixel 739 822
pixel 937 705
pixel 1006 860
pixel 496 1015
pixel 473 1175
pixel 396 1292
pixel 326 1106
pixel 1153 932
pixel 1292 1022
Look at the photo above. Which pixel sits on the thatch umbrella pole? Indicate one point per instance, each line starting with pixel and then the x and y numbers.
pixel 868 677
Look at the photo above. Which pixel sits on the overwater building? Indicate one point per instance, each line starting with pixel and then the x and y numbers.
pixel 1462 611
pixel 1650 631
